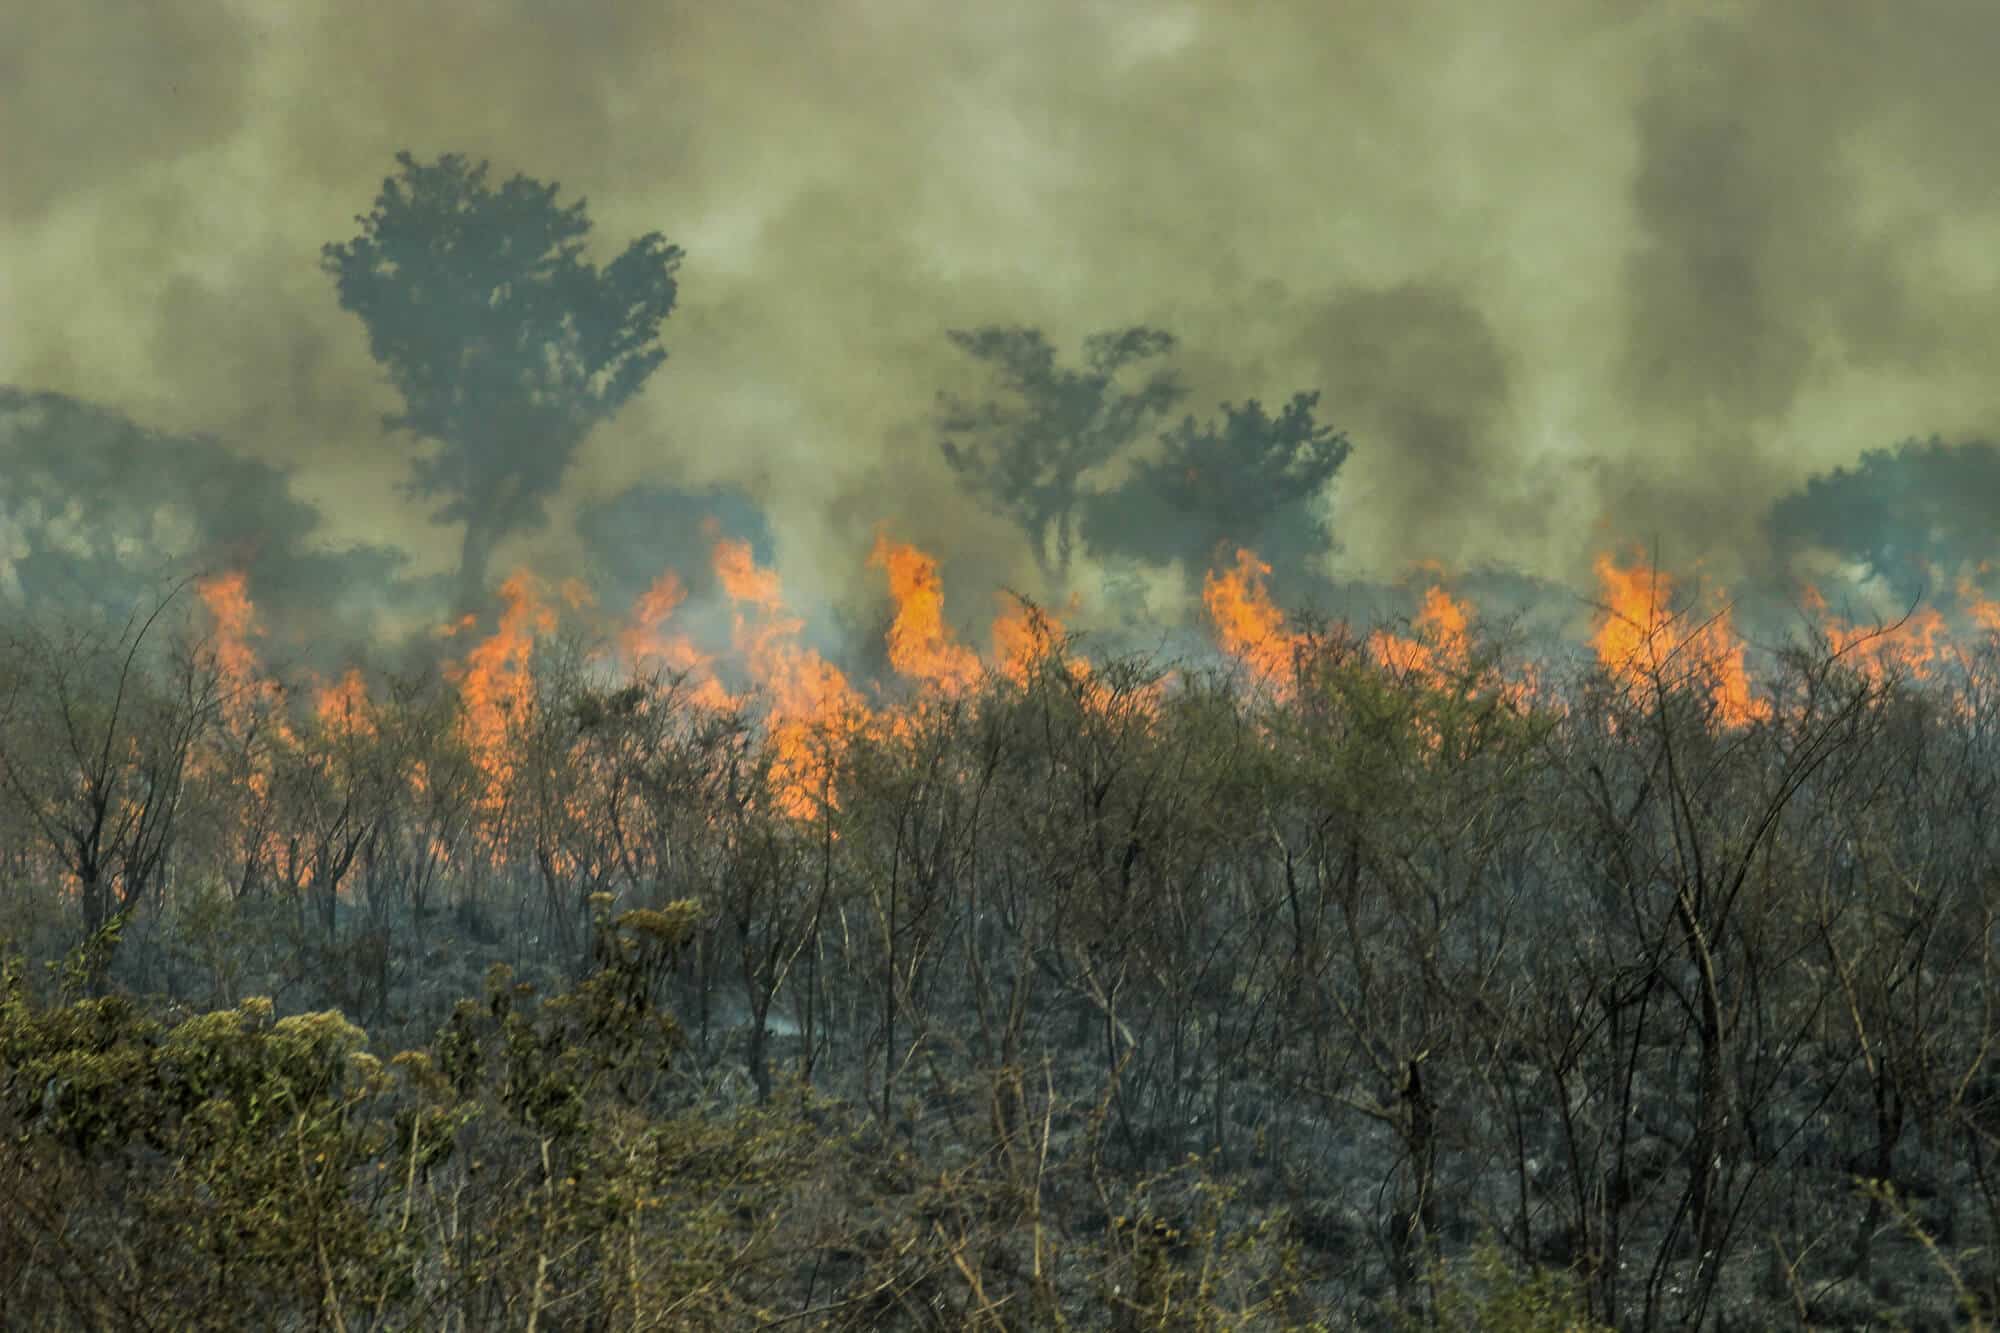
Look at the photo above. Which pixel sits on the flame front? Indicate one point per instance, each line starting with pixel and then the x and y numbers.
pixel 1248 624
pixel 1440 647
pixel 496 681
pixel 1643 642
pixel 808 700
pixel 921 646
pixel 809 710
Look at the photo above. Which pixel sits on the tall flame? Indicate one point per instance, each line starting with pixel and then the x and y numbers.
pixel 343 707
pixel 1248 623
pixel 921 645
pixel 496 681
pixel 1022 636
pixel 645 643
pixel 809 699
pixel 248 696
pixel 1640 635
pixel 227 598
pixel 1985 612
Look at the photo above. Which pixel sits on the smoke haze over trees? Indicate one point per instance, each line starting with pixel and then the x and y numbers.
pixel 1519 259
pixel 1027 457
pixel 98 511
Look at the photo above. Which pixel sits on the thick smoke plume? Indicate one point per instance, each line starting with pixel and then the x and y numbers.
pixel 1566 275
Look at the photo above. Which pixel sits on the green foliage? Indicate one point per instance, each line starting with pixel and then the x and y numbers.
pixel 1178 1257
pixel 237 1165
pixel 230 1141
pixel 261 1164
pixel 1483 1293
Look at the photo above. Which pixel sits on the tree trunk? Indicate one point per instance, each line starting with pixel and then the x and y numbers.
pixel 96 898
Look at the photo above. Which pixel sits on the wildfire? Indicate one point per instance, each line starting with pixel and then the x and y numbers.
pixel 808 700
pixel 646 643
pixel 248 696
pixel 1248 624
pixel 1913 644
pixel 256 727
pixel 809 709
pixel 921 646
pixel 1022 636
pixel 1640 637
pixel 1440 646
pixel 496 681
pixel 745 582
pixel 1984 611
pixel 343 707
pixel 227 597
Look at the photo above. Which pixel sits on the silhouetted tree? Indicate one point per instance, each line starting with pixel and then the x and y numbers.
pixel 1903 512
pixel 505 343
pixel 1218 482
pixel 1025 454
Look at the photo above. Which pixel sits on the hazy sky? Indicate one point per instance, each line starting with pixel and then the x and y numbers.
pixel 1568 271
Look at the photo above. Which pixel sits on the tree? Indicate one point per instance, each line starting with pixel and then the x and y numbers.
pixel 1025 455
pixel 1220 482
pixel 506 345
pixel 1901 512
pixel 97 737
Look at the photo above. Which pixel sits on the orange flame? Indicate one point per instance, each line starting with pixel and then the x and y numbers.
pixel 343 706
pixel 227 598
pixel 1639 635
pixel 1249 625
pixel 645 643
pixel 921 645
pixel 1913 644
pixel 744 580
pixel 1022 636
pixel 1984 611
pixel 255 723
pixel 496 682
pixel 809 699
pixel 1440 645
pixel 249 696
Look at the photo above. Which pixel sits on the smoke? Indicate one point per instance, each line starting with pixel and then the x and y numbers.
pixel 1568 274
pixel 99 513
pixel 1792 201
pixel 1422 383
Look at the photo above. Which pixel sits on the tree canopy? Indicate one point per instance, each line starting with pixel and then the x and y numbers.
pixel 1227 480
pixel 1025 452
pixel 506 344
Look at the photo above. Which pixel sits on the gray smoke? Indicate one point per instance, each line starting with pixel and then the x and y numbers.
pixel 1575 276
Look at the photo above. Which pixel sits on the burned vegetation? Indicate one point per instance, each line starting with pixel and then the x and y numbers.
pixel 602 983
